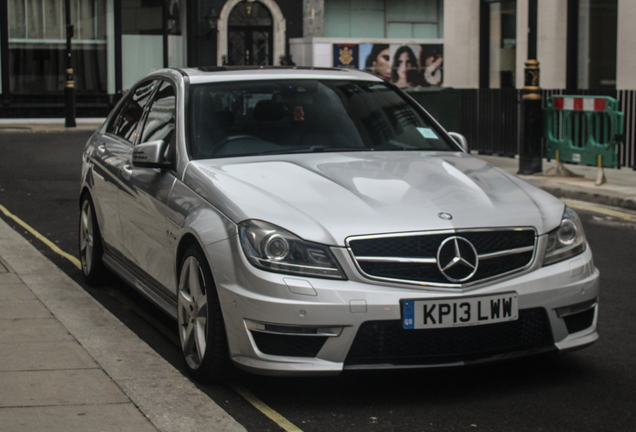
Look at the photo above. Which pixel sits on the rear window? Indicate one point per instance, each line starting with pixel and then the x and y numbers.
pixel 295 116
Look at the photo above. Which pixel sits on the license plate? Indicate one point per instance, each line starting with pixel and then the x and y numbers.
pixel 455 312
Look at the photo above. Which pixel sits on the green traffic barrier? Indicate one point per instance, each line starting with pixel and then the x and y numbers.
pixel 583 130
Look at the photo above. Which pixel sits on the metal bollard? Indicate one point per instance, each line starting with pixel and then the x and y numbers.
pixel 530 161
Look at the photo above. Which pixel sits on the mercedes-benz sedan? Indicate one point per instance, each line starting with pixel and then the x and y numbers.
pixel 303 221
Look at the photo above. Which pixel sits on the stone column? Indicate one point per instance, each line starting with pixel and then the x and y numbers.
pixel 313 18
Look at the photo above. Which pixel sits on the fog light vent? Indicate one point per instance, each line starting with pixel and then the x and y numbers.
pixel 288 345
pixel 579 321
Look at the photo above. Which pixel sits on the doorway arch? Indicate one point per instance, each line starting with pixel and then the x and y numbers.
pixel 279 29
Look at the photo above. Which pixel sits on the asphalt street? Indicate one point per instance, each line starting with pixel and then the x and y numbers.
pixel 588 390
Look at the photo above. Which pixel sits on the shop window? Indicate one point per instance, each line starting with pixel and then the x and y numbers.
pixel 409 19
pixel 37 46
pixel 503 44
pixel 597 40
pixel 142 37
pixel 384 18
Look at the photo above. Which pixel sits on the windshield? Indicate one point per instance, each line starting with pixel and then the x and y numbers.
pixel 294 116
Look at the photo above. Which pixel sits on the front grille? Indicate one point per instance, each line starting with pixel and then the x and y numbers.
pixel 500 252
pixel 288 345
pixel 387 342
pixel 579 321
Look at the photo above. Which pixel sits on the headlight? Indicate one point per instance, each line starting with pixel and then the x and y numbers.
pixel 566 241
pixel 273 249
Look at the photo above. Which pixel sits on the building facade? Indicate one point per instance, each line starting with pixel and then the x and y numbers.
pixel 581 44
pixel 115 42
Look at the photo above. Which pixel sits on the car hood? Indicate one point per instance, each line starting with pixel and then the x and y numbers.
pixel 327 197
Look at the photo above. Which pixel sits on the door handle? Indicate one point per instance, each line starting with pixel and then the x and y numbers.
pixel 126 171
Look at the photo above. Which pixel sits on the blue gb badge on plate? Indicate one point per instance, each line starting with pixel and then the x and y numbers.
pixel 408 315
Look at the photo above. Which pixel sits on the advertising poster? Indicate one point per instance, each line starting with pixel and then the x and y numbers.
pixel 411 65
pixel 345 55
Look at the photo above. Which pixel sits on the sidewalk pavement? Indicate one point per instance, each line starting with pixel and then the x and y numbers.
pixel 618 191
pixel 67 364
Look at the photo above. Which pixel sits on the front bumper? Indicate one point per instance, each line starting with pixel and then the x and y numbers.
pixel 287 325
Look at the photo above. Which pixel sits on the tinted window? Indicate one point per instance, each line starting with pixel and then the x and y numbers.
pixel 126 122
pixel 259 117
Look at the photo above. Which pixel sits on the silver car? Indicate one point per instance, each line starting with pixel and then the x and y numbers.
pixel 309 221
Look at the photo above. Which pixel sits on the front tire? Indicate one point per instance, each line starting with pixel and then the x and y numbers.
pixel 90 244
pixel 200 321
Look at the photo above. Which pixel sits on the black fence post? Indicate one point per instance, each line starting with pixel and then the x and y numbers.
pixel 530 161
pixel 69 90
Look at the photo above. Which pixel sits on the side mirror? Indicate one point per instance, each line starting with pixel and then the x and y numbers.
pixel 150 155
pixel 460 139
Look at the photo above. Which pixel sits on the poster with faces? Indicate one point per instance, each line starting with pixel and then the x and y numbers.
pixel 409 65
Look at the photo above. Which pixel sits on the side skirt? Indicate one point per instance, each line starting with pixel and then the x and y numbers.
pixel 155 294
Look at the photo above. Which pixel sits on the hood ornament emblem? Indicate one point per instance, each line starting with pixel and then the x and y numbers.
pixel 457 259
pixel 445 216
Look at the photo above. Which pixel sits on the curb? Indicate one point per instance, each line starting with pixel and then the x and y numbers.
pixel 628 203
pixel 48 125
pixel 170 401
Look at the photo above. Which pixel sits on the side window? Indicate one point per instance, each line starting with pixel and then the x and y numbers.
pixel 126 122
pixel 160 122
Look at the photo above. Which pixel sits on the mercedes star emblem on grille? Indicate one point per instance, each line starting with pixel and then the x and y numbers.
pixel 457 259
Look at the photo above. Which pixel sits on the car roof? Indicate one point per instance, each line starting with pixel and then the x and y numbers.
pixel 227 73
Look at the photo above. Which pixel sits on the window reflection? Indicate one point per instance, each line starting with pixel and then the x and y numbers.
pixel 239 119
pixel 37 46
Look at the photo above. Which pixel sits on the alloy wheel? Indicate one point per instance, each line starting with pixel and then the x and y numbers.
pixel 193 312
pixel 87 236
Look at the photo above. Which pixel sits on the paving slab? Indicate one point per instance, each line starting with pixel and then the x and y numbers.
pixel 22 257
pixel 9 278
pixel 32 330
pixel 12 309
pixel 33 356
pixel 58 387
pixel 76 418
pixel 14 290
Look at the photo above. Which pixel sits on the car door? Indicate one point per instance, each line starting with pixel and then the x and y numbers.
pixel 111 150
pixel 148 243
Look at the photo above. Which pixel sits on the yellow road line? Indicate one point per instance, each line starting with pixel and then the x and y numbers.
pixel 40 237
pixel 602 210
pixel 262 407
pixel 256 402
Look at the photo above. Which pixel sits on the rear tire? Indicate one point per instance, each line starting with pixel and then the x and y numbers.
pixel 200 320
pixel 90 244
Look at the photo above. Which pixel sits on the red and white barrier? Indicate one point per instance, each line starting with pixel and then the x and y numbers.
pixel 579 104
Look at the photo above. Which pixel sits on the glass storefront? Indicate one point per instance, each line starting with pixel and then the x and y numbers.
pixel 410 19
pixel 37 46
pixel 597 44
pixel 143 37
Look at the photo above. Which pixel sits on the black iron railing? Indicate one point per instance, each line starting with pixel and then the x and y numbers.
pixel 490 119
